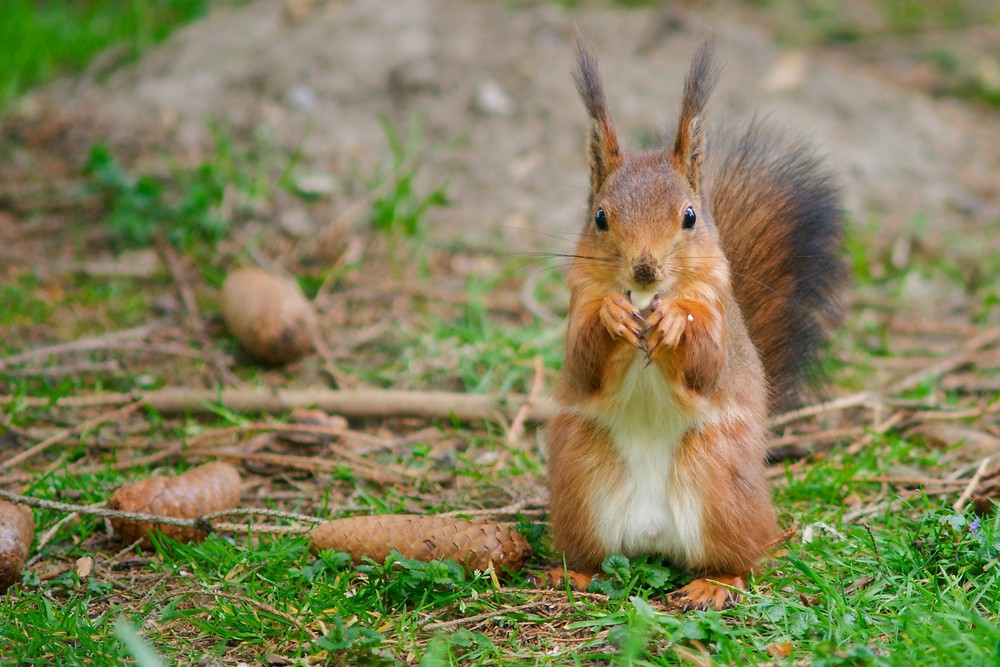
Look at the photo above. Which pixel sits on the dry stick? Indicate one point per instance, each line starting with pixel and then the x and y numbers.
pixel 516 429
pixel 200 523
pixel 183 289
pixel 266 427
pixel 198 448
pixel 880 429
pixel 973 483
pixel 109 366
pixel 50 533
pixel 940 368
pixel 532 305
pixel 195 320
pixel 342 379
pixel 62 435
pixel 100 467
pixel 358 403
pixel 471 620
pixel 85 345
pixel 920 481
pixel 263 606
pixel 377 474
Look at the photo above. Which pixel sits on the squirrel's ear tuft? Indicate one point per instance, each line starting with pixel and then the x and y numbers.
pixel 689 146
pixel 605 155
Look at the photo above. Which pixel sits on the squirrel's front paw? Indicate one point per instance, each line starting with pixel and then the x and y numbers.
pixel 664 327
pixel 621 318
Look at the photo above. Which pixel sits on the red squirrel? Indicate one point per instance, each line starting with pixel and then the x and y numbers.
pixel 700 294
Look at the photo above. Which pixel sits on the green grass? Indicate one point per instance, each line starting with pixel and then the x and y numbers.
pixel 44 40
pixel 921 588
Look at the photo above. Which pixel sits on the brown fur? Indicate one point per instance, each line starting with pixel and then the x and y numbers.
pixel 586 467
pixel 693 337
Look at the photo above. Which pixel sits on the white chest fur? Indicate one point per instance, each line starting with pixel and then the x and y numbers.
pixel 649 507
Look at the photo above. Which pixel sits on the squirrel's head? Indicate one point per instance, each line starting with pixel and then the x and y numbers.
pixel 649 228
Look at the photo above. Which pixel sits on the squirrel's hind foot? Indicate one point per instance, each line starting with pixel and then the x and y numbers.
pixel 714 592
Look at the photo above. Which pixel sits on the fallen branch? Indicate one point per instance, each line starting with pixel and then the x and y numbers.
pixel 389 403
pixel 355 403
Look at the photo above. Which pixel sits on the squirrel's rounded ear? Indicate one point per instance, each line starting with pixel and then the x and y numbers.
pixel 689 146
pixel 603 150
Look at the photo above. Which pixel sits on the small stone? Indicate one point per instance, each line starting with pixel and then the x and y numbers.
pixel 302 97
pixel 788 73
pixel 315 184
pixel 492 100
pixel 296 222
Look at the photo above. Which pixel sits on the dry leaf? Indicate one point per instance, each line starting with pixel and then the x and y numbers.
pixel 84 566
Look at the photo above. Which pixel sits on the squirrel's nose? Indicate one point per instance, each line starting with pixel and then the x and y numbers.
pixel 644 273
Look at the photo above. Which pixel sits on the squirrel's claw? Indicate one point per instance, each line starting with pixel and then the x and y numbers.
pixel 622 320
pixel 718 593
pixel 664 328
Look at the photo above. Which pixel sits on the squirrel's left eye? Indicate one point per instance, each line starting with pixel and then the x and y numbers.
pixel 689 218
pixel 601 220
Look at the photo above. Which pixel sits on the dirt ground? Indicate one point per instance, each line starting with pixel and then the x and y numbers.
pixel 492 82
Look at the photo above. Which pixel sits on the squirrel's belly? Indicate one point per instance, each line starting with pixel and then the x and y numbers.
pixel 649 507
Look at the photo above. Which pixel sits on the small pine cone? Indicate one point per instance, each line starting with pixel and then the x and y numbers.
pixel 208 488
pixel 475 546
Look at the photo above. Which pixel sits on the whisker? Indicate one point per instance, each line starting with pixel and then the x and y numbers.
pixel 568 239
pixel 548 268
pixel 684 270
pixel 566 255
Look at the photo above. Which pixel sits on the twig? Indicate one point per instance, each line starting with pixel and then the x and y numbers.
pixel 917 481
pixel 949 364
pixel 843 403
pixel 380 474
pixel 936 369
pixel 360 403
pixel 531 304
pixel 880 429
pixel 200 523
pixel 472 620
pixel 195 320
pixel 516 429
pixel 973 483
pixel 263 606
pixel 62 435
pixel 173 263
pixel 872 509
pixel 85 345
pixel 108 366
pixel 156 457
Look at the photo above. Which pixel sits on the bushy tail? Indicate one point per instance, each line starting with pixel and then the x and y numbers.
pixel 781 227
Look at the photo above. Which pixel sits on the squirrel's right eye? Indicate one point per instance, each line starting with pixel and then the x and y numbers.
pixel 601 220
